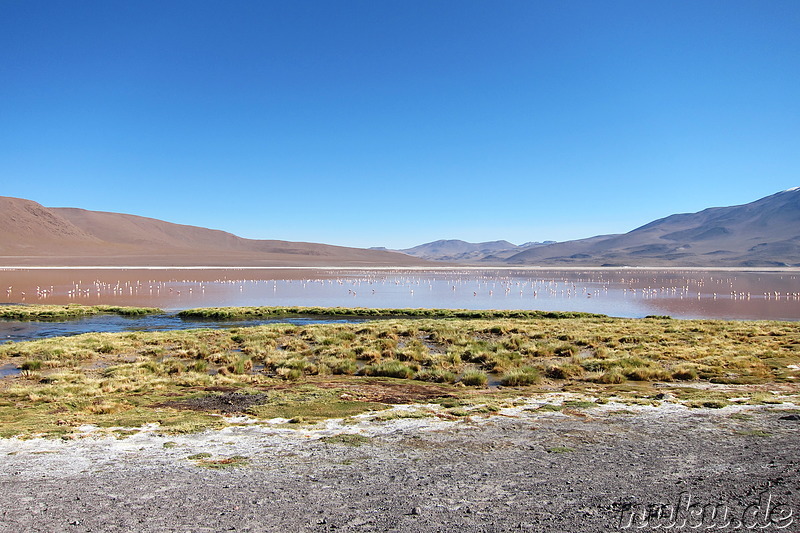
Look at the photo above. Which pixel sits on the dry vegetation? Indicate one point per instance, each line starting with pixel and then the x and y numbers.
pixel 310 372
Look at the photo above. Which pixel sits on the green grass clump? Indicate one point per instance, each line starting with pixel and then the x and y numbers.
pixel 311 404
pixel 550 407
pixel 579 404
pixel 346 439
pixel 435 375
pixel 30 365
pixel 709 404
pixel 684 373
pixel 564 371
pixel 397 415
pixel 346 366
pixel 198 456
pixel 650 373
pixel 612 377
pixel 391 369
pixel 224 313
pixel 65 312
pixel 560 449
pixel 474 378
pixel 521 377
pixel 204 460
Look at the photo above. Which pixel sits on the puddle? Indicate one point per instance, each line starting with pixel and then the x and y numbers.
pixel 9 369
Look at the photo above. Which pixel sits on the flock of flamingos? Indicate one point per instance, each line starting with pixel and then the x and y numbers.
pixel 483 286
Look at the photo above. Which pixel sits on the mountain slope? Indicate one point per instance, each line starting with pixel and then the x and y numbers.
pixel 762 233
pixel 28 227
pixel 458 251
pixel 36 235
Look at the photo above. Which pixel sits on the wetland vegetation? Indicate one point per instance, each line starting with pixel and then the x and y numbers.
pixel 186 380
pixel 69 311
pixel 365 312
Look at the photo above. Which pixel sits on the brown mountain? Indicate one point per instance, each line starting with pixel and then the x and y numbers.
pixel 458 251
pixel 762 233
pixel 31 234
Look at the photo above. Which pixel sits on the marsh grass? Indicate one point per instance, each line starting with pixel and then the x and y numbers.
pixel 708 404
pixel 199 456
pixel 579 404
pixel 550 407
pixel 65 312
pixel 311 404
pixel 474 378
pixel 435 375
pixel 560 449
pixel 223 313
pixel 206 460
pixel 391 369
pixel 347 439
pixel 397 415
pixel 124 379
pixel 523 376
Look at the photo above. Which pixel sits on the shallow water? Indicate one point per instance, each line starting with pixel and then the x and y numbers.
pixel 14 330
pixel 753 295
pixel 9 370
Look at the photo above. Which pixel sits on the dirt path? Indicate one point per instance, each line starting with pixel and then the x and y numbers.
pixel 524 470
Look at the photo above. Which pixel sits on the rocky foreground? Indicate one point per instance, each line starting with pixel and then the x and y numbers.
pixel 596 469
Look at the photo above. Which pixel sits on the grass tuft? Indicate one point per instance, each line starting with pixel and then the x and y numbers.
pixel 521 377
pixel 346 439
pixel 474 378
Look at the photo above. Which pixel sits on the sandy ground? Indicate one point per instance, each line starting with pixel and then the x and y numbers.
pixel 521 469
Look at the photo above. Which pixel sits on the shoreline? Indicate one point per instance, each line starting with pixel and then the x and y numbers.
pixel 414 268
pixel 591 471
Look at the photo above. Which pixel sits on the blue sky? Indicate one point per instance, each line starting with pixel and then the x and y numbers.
pixel 377 123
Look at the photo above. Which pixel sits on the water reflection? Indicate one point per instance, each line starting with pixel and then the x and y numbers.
pixel 618 292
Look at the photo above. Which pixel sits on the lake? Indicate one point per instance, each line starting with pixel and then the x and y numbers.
pixel 634 292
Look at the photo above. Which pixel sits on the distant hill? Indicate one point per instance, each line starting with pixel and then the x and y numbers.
pixel 456 251
pixel 762 233
pixel 35 235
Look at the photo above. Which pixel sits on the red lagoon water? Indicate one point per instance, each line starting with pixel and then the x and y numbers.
pixel 751 295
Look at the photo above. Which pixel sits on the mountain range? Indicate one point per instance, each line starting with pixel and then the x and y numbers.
pixel 763 233
pixel 457 251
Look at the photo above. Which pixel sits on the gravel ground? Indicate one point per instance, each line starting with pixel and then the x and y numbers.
pixel 523 469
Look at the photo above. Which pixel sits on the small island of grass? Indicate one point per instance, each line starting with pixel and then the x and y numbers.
pixel 69 311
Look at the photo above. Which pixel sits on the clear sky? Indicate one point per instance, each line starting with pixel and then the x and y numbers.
pixel 378 123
